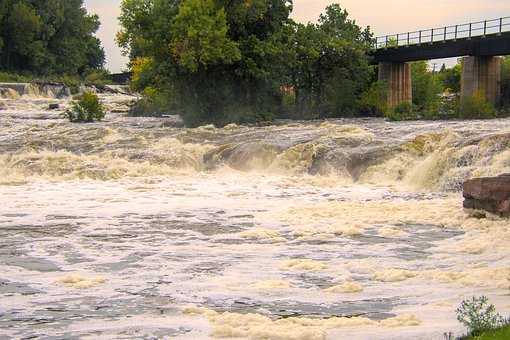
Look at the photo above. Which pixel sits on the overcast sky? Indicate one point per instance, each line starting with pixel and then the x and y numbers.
pixel 384 16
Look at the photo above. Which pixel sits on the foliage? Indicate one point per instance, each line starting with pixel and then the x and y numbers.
pixel 235 61
pixel 502 333
pixel 86 110
pixel 48 37
pixel 152 104
pixel 329 68
pixel 200 36
pixel 505 82
pixel 143 75
pixel 97 78
pixel 479 316
pixel 450 78
pixel 6 77
pixel 426 87
pixel 373 102
pixel 476 107
pixel 403 111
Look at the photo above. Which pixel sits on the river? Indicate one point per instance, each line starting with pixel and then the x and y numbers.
pixel 133 228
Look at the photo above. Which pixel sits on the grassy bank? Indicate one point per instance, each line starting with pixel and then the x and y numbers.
pixel 498 334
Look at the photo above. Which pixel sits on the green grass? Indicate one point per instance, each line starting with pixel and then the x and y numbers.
pixel 499 334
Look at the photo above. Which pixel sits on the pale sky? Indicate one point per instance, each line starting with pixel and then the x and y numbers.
pixel 384 16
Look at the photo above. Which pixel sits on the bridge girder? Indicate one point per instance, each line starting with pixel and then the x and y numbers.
pixel 481 46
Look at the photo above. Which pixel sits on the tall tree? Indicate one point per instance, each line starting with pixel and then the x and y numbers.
pixel 49 37
pixel 235 60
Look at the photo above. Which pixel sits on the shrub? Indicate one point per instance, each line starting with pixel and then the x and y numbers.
pixel 402 111
pixel 476 107
pixel 479 316
pixel 374 101
pixel 6 77
pixel 97 78
pixel 152 104
pixel 86 109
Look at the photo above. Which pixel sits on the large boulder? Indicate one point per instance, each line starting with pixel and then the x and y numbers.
pixel 490 194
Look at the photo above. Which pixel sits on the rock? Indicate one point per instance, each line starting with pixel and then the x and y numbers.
pixel 490 194
pixel 54 106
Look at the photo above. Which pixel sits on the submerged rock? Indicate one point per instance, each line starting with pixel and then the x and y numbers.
pixel 489 194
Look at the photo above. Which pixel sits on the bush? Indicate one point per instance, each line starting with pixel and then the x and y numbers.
pixel 6 77
pixel 374 101
pixel 476 107
pixel 403 111
pixel 98 78
pixel 479 316
pixel 152 104
pixel 86 109
pixel 505 82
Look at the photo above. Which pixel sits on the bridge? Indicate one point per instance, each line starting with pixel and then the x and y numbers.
pixel 479 43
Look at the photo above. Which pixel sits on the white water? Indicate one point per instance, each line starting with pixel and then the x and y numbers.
pixel 131 228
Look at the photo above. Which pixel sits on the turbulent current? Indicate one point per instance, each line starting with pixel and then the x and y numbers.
pixel 135 228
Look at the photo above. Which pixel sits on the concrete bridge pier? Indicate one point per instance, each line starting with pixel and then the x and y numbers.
pixel 481 75
pixel 397 77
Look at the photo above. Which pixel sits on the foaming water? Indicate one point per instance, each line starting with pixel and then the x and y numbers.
pixel 135 228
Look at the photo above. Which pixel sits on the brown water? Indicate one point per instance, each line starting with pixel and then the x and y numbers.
pixel 133 228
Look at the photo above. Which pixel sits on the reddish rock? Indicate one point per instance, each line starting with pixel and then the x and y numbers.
pixel 491 194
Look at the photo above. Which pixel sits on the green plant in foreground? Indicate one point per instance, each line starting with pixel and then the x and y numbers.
pixel 86 109
pixel 479 316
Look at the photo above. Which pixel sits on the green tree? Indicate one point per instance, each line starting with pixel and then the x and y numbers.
pixel 426 87
pixel 222 61
pixel 47 37
pixel 330 68
pixel 450 78
pixel 505 82
pixel 21 30
pixel 200 36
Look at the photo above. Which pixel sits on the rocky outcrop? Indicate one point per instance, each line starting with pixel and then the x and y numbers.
pixel 488 194
pixel 34 89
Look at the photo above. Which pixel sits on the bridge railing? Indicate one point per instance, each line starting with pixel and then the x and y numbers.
pixel 448 33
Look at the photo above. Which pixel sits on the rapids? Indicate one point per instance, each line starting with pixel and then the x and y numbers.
pixel 138 228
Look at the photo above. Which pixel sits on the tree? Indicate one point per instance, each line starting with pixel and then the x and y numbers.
pixel 505 82
pixel 426 87
pixel 21 30
pixel 200 36
pixel 48 37
pixel 225 61
pixel 330 68
pixel 219 58
pixel 450 78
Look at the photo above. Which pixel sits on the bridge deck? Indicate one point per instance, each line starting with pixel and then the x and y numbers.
pixel 484 38
pixel 490 45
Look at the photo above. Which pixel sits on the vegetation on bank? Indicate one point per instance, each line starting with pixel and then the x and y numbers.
pixel 86 109
pixel 41 37
pixel 482 320
pixel 98 78
pixel 232 61
pixel 50 41
pixel 436 95
pixel 246 62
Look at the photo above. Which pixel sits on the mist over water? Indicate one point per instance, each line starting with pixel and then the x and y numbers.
pixel 136 228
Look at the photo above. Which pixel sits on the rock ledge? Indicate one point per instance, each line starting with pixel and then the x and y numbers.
pixel 488 194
